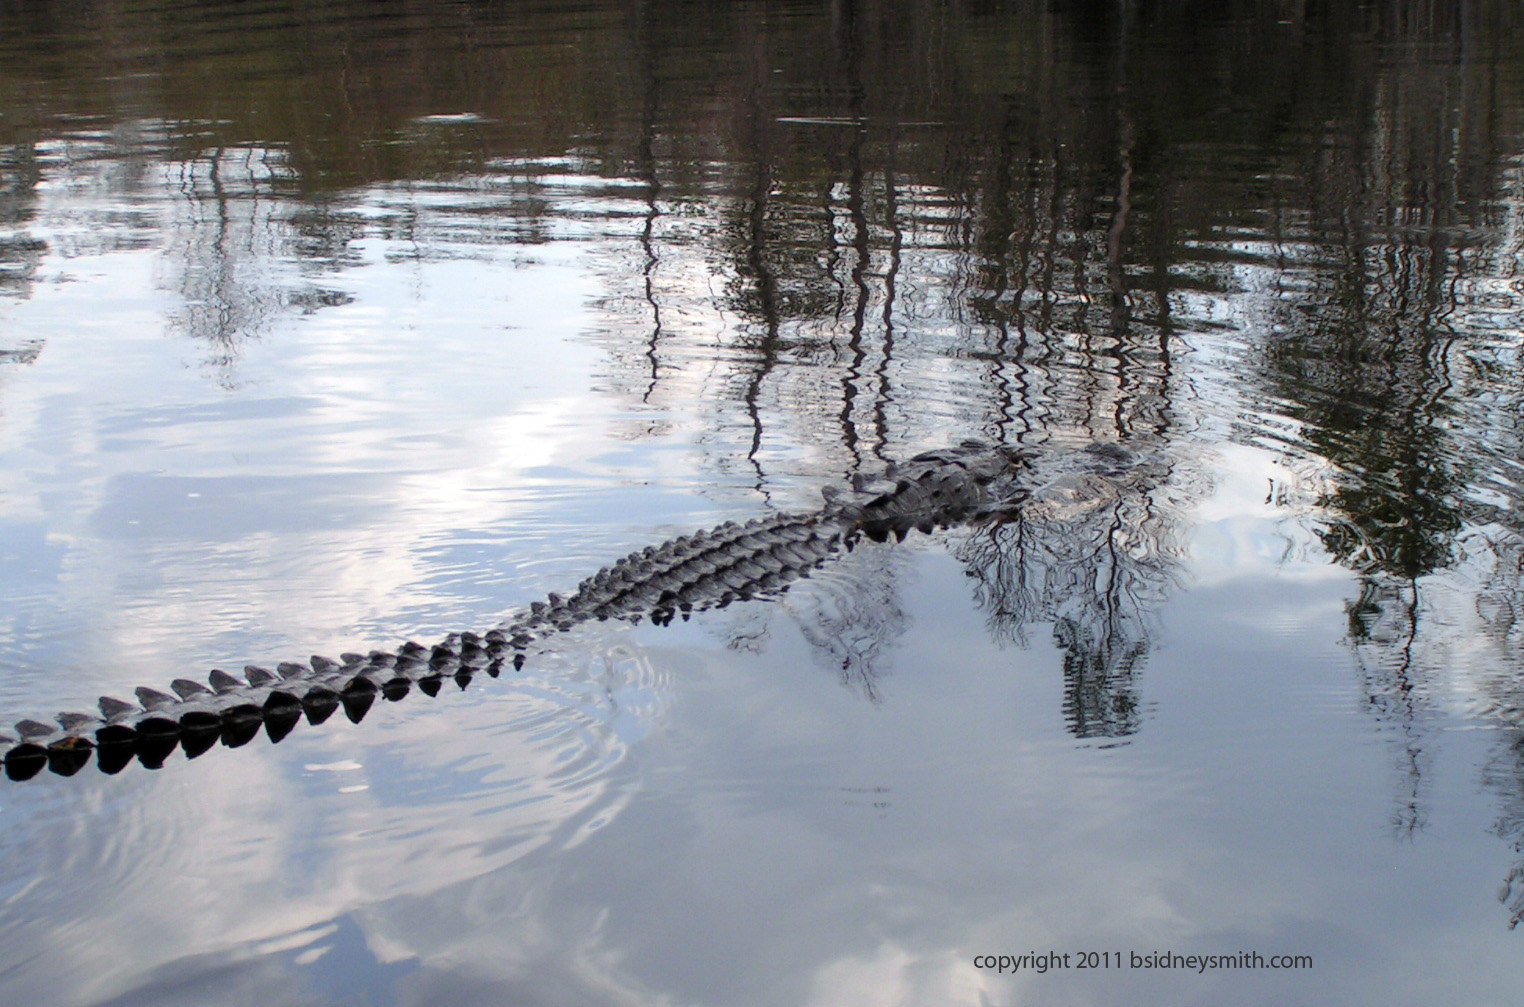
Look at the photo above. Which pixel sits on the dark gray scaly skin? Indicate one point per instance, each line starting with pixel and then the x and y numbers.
pixel 709 569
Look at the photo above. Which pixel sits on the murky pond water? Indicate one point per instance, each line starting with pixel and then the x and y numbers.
pixel 324 327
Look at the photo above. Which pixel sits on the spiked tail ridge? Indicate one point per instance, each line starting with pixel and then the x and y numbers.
pixel 760 558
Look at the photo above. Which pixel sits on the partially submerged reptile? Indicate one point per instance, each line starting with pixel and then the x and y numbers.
pixel 709 569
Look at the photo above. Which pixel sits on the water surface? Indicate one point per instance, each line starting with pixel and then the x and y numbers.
pixel 324 327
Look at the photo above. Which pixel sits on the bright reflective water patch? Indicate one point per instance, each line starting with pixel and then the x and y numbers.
pixel 322 330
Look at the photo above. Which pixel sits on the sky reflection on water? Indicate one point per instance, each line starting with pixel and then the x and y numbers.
pixel 361 325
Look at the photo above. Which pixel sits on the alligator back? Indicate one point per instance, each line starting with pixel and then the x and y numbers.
pixel 708 569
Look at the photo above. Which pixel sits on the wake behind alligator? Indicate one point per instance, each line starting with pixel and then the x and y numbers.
pixel 972 482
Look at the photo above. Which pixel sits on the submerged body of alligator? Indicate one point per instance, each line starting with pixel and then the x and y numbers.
pixel 708 569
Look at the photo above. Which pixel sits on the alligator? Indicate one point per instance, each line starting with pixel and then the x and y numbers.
pixel 971 482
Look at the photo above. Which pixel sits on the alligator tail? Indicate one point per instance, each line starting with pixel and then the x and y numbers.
pixel 709 569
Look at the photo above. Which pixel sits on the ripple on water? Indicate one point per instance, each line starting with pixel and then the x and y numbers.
pixel 235 849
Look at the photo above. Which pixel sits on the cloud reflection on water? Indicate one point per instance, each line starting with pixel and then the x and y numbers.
pixel 307 359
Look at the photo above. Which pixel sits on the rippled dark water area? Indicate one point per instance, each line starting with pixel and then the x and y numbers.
pixel 325 327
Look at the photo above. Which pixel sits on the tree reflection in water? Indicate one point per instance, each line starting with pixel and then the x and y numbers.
pixel 837 234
